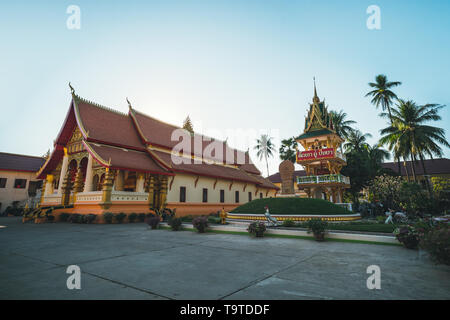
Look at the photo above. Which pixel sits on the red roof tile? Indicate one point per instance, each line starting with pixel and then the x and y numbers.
pixel 126 159
pixel 108 126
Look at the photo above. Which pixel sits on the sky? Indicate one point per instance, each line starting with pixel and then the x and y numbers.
pixel 237 68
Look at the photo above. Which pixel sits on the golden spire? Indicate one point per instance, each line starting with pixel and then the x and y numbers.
pixel 315 98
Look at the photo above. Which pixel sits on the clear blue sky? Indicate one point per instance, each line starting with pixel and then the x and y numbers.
pixel 226 64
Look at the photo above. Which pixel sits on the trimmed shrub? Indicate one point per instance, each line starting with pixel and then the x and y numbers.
pixel 108 216
pixel 200 223
pixel 120 217
pixel 153 221
pixel 437 243
pixel 141 217
pixel 132 217
pixel 64 216
pixel 175 224
pixel 318 227
pixel 89 218
pixel 288 223
pixel 75 218
pixel 257 229
pixel 50 218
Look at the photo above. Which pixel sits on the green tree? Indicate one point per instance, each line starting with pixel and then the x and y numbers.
pixel 410 130
pixel 356 141
pixel 376 157
pixel 342 126
pixel 383 96
pixel 265 148
pixel 288 149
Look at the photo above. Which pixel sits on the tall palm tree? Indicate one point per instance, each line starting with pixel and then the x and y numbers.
pixel 376 156
pixel 341 125
pixel 411 131
pixel 356 141
pixel 381 94
pixel 265 148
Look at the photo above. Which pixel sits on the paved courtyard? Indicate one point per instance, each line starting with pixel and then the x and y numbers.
pixel 131 262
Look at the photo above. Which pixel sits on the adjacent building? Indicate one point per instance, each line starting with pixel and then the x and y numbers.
pixel 18 183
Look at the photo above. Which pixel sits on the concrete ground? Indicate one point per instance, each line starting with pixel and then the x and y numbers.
pixel 129 261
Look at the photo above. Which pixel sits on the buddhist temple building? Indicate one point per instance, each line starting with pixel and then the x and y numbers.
pixel 321 157
pixel 107 161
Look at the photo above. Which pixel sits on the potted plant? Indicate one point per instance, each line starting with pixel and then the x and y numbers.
pixel 318 228
pixel 200 223
pixel 257 229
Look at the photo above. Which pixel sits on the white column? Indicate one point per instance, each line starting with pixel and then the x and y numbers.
pixel 88 179
pixel 64 167
pixel 140 182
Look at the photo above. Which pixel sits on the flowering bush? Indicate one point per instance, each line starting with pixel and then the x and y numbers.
pixel 386 189
pixel 437 243
pixel 257 229
pixel 408 236
pixel 200 223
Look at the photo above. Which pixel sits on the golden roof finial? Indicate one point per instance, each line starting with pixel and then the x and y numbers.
pixel 129 104
pixel 315 98
pixel 72 90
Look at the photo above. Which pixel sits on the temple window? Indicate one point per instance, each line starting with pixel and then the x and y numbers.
pixel 3 182
pixel 222 196
pixel 249 196
pixel 182 194
pixel 20 183
pixel 260 195
pixel 236 196
pixel 205 195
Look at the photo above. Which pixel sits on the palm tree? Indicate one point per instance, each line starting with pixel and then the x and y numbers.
pixel 410 130
pixel 376 156
pixel 381 94
pixel 356 141
pixel 341 125
pixel 265 148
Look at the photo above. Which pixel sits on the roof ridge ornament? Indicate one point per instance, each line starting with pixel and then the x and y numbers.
pixel 72 90
pixel 129 104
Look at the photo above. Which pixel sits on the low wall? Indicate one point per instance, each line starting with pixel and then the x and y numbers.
pixel 294 217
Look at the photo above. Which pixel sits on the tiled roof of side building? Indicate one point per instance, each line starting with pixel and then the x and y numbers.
pixel 432 166
pixel 19 162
